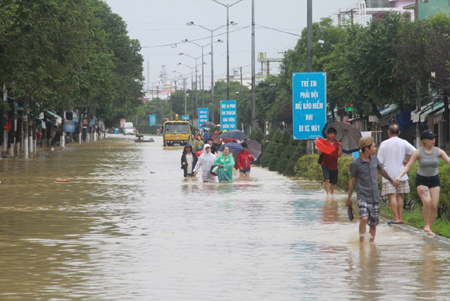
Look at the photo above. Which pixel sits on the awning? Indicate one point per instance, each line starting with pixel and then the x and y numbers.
pixel 426 110
pixel 57 117
pixel 388 113
pixel 42 123
pixel 53 114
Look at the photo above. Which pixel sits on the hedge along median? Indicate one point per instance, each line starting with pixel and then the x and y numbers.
pixel 288 157
pixel 308 167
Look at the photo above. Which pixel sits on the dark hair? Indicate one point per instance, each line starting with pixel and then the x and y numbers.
pixel 244 145
pixel 331 130
pixel 394 129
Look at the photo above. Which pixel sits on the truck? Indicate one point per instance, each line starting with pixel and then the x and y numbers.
pixel 176 132
pixel 128 128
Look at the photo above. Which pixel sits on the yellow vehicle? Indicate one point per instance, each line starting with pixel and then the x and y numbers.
pixel 176 132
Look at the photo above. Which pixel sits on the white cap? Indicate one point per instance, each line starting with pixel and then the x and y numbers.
pixel 207 145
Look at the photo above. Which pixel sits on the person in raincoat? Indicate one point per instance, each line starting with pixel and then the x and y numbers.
pixel 205 161
pixel 244 160
pixel 193 143
pixel 188 161
pixel 225 162
pixel 206 136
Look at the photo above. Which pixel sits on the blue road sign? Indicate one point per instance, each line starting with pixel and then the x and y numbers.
pixel 309 104
pixel 185 118
pixel 152 120
pixel 203 116
pixel 228 117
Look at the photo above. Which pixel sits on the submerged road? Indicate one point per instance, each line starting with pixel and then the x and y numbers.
pixel 128 226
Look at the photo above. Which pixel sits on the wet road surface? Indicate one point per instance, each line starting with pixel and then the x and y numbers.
pixel 116 231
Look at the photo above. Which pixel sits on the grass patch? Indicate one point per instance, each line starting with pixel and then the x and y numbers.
pixel 414 218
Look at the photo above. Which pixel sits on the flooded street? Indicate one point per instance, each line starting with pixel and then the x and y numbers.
pixel 116 231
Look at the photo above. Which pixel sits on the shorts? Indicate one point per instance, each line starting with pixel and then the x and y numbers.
pixel 330 174
pixel 388 188
pixel 430 182
pixel 372 210
pixel 245 170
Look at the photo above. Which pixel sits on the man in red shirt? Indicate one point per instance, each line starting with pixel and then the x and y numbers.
pixel 330 162
pixel 243 162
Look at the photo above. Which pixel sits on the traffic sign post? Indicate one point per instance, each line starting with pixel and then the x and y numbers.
pixel 309 104
pixel 228 117
pixel 203 116
pixel 152 120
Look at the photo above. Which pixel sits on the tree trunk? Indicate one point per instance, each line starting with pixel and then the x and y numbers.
pixel 63 122
pixel 25 128
pixel 19 134
pixel 446 120
pixel 12 132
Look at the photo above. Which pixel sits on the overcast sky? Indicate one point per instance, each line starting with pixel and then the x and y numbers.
pixel 156 23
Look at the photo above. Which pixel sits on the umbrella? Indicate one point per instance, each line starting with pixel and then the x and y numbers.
pixel 208 124
pixel 234 146
pixel 234 134
pixel 235 149
pixel 346 133
pixel 255 148
pixel 228 140
pixel 215 137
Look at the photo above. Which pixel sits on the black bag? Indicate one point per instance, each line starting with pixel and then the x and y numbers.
pixel 212 171
pixel 320 159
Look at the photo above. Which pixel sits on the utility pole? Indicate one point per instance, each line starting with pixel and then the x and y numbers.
pixel 241 77
pixel 253 114
pixel 416 10
pixel 309 54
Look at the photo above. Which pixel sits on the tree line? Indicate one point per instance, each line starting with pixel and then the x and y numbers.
pixel 391 60
pixel 66 56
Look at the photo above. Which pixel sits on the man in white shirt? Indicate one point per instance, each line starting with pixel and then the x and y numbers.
pixel 391 154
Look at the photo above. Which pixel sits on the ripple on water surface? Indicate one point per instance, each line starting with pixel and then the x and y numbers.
pixel 129 226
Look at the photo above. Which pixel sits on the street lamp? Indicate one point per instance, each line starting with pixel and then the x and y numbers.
pixel 192 81
pixel 191 23
pixel 203 63
pixel 196 93
pixel 228 42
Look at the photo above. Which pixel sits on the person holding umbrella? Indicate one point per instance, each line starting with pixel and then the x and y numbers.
pixel 244 160
pixel 330 162
pixel 225 162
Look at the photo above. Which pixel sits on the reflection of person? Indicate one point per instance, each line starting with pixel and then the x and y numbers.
pixel 363 171
pixel 330 162
pixel 225 163
pixel 427 178
pixel 188 161
pixel 392 155
pixel 205 161
pixel 244 160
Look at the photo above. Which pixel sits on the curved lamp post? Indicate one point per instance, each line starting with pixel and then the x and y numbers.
pixel 228 42
pixel 203 63
pixel 191 23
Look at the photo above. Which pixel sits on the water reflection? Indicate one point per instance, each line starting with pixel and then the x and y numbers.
pixel 128 226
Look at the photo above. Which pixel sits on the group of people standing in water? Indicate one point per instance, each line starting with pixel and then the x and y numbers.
pixel 392 163
pixel 210 158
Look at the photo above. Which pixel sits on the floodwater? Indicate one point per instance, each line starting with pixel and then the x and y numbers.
pixel 116 231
